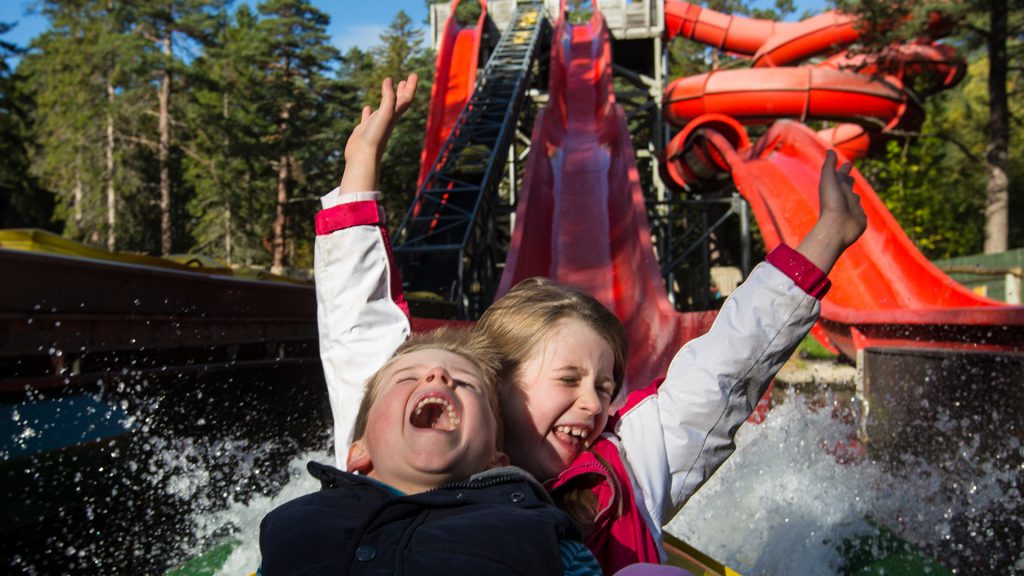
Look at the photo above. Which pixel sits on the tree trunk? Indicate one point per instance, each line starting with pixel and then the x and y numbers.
pixel 78 193
pixel 283 174
pixel 227 235
pixel 164 148
pixel 228 198
pixel 997 187
pixel 111 193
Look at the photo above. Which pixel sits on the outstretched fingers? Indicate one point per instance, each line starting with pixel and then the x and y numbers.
pixel 406 92
pixel 387 99
pixel 846 184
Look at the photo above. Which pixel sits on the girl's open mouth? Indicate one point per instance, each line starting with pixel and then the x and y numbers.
pixel 574 438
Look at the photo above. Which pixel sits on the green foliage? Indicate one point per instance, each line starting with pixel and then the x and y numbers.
pixel 252 90
pixel 935 184
pixel 82 77
pixel 233 189
pixel 23 202
pixel 810 348
pixel 399 54
pixel 580 11
pixel 985 119
pixel 937 206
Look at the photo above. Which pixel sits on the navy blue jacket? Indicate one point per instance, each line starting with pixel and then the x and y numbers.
pixel 497 522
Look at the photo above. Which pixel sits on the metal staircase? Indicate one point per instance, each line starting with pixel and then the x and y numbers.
pixel 450 247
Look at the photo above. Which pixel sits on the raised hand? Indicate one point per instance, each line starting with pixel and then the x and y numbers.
pixel 841 220
pixel 366 144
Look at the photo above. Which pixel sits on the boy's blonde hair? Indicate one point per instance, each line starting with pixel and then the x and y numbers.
pixel 518 321
pixel 470 345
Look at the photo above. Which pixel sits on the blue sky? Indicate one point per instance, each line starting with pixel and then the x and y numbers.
pixel 353 22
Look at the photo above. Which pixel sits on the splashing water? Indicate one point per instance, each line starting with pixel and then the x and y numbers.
pixel 783 504
pixel 241 518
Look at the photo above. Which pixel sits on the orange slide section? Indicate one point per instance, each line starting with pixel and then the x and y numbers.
pixel 455 68
pixel 581 218
pixel 884 292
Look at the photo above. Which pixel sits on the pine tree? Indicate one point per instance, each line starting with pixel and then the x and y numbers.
pixel 296 56
pixel 225 145
pixel 22 201
pixel 993 27
pixel 76 74
pixel 164 24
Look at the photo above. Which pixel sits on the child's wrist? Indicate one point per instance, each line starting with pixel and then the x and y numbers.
pixel 356 179
pixel 822 245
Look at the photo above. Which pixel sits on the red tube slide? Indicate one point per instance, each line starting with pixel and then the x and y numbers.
pixel 868 91
pixel 455 69
pixel 581 218
pixel 762 95
pixel 737 35
pixel 934 67
pixel 821 34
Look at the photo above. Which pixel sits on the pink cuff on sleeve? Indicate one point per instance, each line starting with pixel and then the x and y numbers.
pixel 347 215
pixel 802 271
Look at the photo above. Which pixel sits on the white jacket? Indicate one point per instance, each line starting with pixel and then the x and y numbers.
pixel 671 441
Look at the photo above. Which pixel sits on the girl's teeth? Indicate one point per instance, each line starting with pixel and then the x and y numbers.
pixel 571 431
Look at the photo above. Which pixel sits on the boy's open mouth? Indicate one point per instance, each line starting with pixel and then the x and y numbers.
pixel 436 412
pixel 572 437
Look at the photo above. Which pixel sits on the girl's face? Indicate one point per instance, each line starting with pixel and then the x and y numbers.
pixel 558 404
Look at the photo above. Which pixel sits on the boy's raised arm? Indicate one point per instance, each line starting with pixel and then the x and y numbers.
pixel 361 314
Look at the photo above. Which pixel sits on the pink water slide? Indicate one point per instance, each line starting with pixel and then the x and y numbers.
pixel 581 218
pixel 885 292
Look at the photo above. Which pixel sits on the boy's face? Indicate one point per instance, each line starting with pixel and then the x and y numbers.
pixel 430 424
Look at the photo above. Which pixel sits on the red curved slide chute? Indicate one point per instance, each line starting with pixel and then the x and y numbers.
pixel 581 218
pixel 884 291
pixel 455 69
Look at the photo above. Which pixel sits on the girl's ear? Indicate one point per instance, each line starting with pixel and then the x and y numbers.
pixel 358 459
pixel 500 460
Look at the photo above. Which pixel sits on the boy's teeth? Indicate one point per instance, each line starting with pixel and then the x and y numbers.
pixel 453 419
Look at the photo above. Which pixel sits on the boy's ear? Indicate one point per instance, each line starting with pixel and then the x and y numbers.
pixel 500 459
pixel 358 459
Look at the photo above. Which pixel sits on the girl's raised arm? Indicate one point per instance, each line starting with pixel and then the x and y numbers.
pixel 678 434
